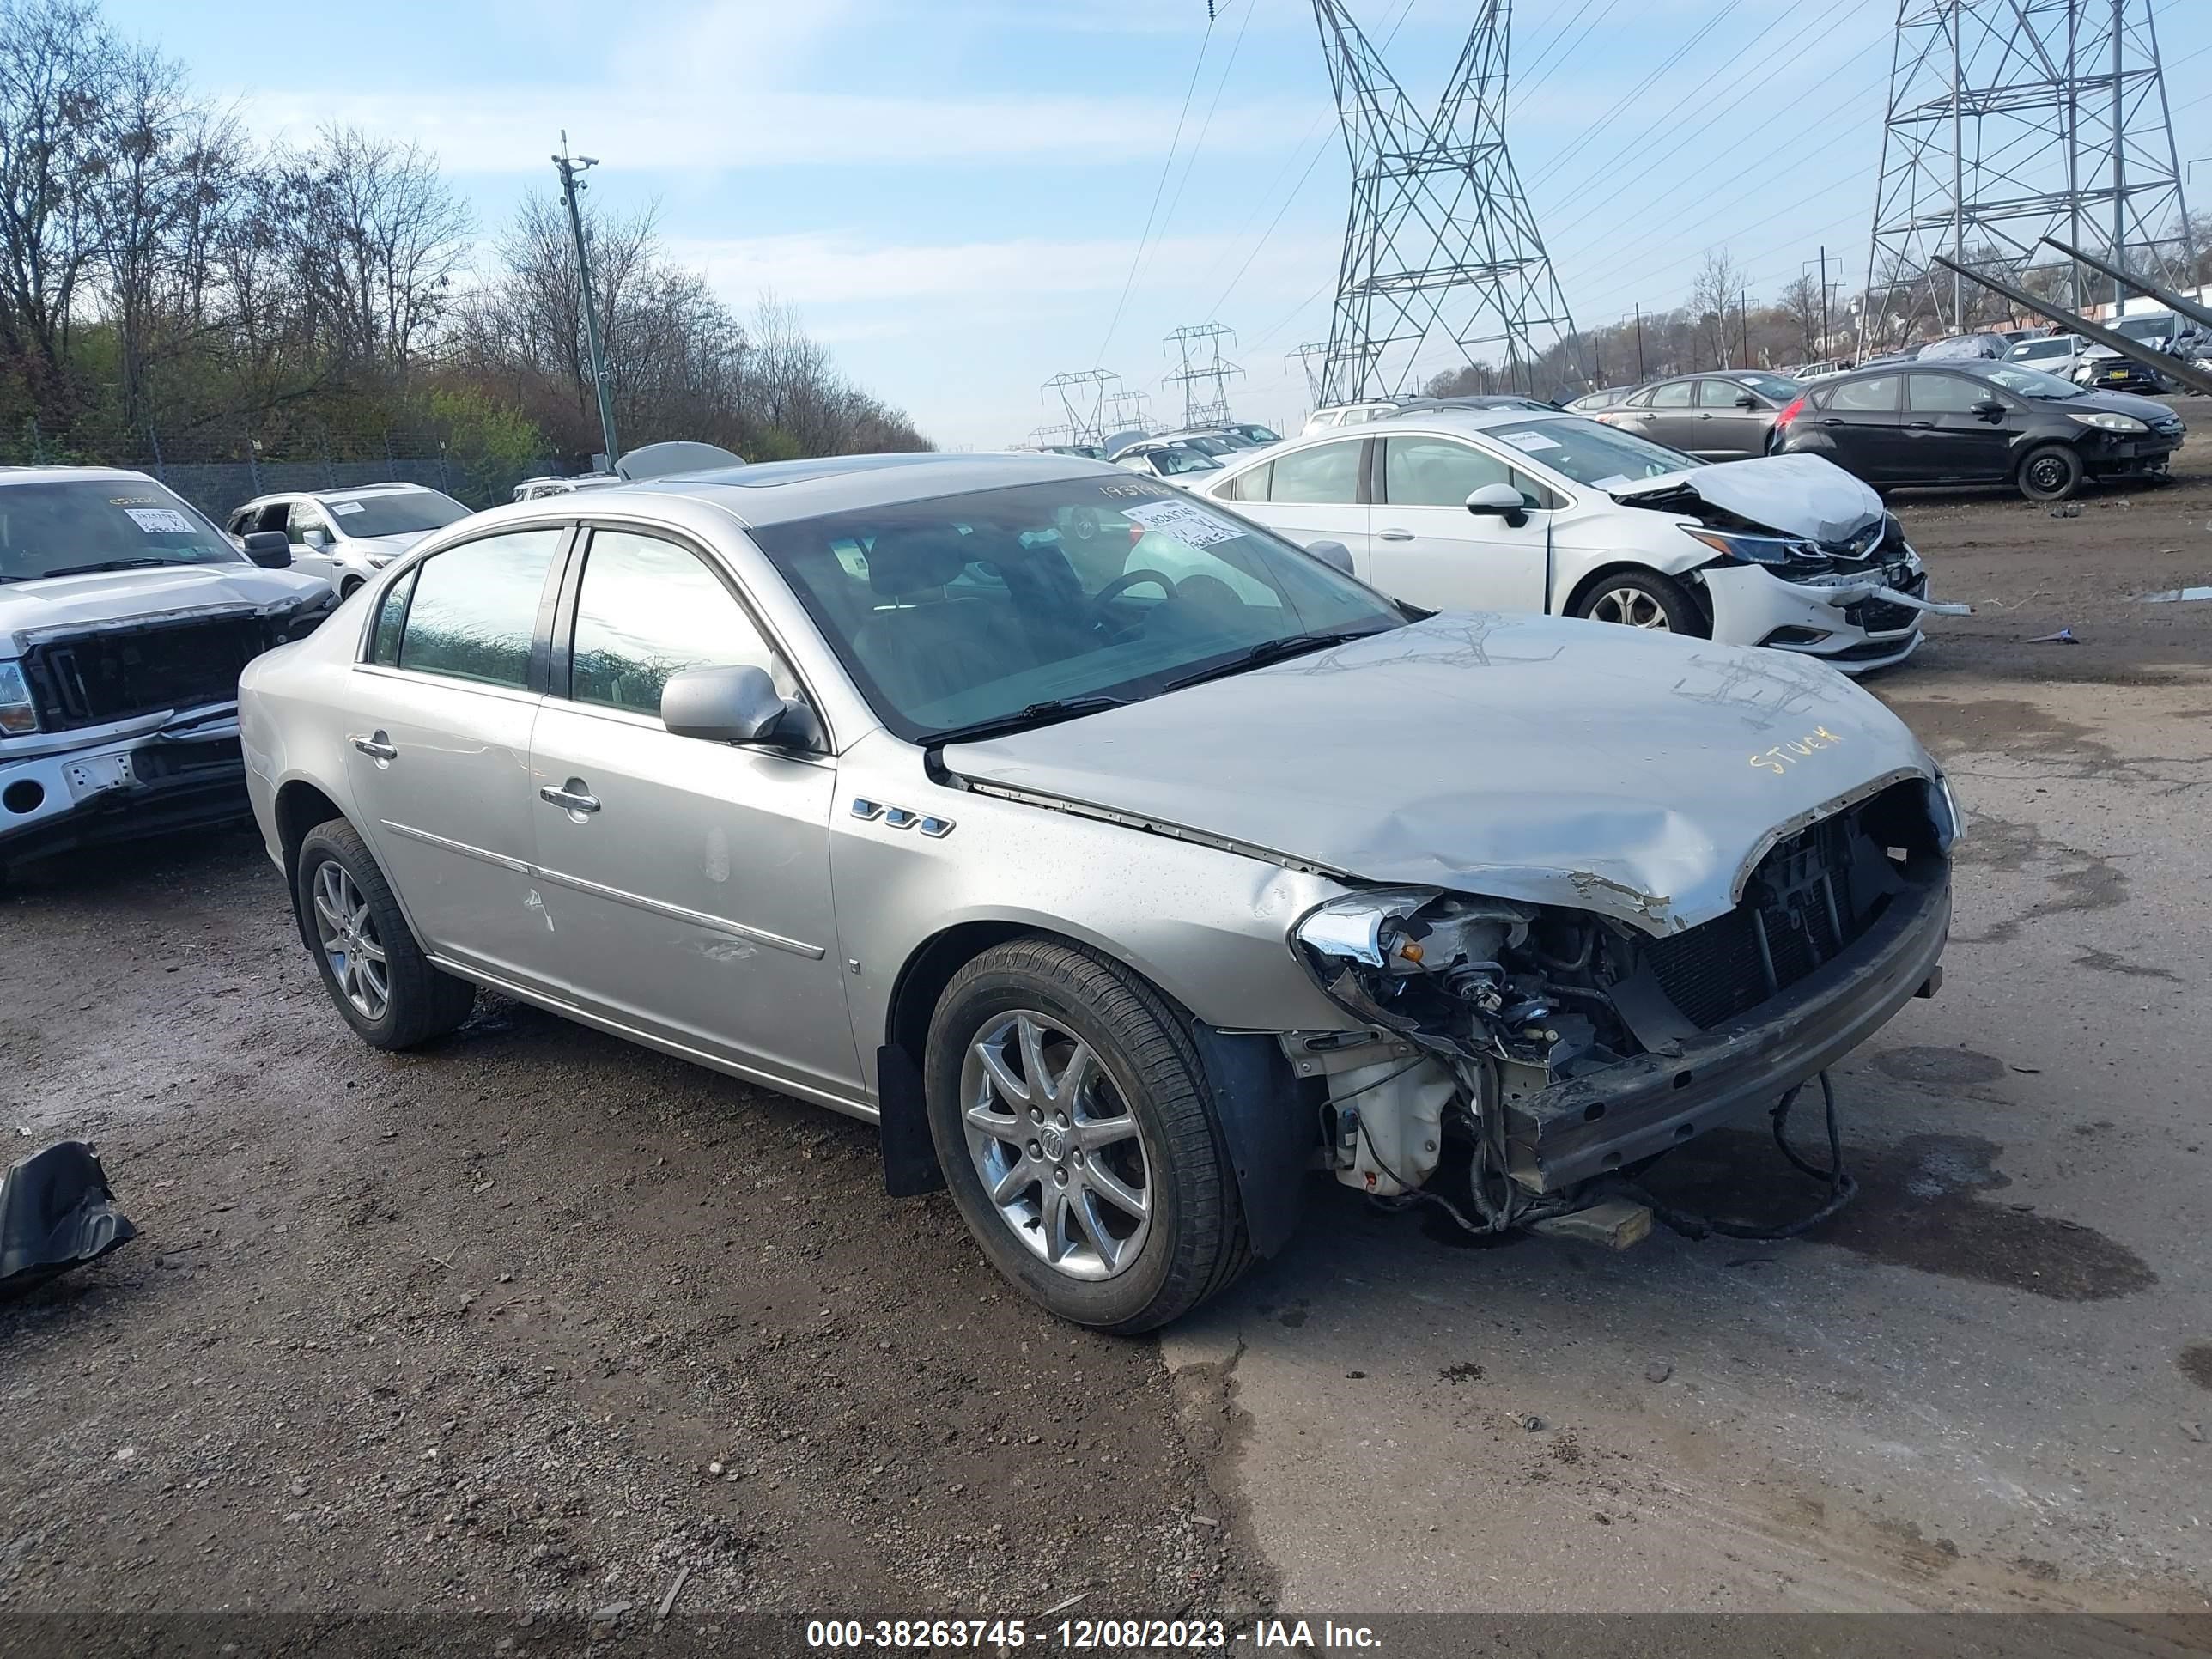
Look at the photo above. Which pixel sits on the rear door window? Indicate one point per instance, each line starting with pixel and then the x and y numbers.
pixel 475 609
pixel 1676 396
pixel 1326 474
pixel 1877 395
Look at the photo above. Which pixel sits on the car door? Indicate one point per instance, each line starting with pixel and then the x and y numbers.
pixel 687 882
pixel 439 752
pixel 1426 547
pixel 1946 439
pixel 1314 494
pixel 1861 422
pixel 1733 421
pixel 313 542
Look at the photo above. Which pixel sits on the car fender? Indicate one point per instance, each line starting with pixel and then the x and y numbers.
pixel 1629 536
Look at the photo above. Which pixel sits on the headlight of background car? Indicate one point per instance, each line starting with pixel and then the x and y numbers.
pixel 18 715
pixel 1758 549
pixel 2104 421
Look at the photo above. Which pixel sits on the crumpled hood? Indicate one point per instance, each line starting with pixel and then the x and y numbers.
pixel 1634 774
pixel 1806 496
pixel 60 604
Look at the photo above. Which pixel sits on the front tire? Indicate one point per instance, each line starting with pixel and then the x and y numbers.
pixel 2051 472
pixel 1077 1131
pixel 1642 599
pixel 376 973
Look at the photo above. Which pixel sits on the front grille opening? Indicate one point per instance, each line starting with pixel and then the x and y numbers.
pixel 121 673
pixel 1810 897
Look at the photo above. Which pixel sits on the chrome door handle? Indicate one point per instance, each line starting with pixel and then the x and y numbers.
pixel 375 748
pixel 1395 535
pixel 570 800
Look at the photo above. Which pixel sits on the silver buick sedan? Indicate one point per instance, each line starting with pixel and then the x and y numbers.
pixel 1124 861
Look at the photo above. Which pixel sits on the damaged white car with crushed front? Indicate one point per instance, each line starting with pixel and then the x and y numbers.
pixel 1128 863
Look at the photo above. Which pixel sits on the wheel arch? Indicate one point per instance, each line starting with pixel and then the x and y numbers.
pixel 1686 579
pixel 300 806
pixel 1264 1114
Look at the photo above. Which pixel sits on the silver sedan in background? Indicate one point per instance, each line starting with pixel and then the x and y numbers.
pixel 1125 860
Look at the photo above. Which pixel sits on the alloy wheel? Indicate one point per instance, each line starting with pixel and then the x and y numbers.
pixel 347 936
pixel 1060 1155
pixel 1632 607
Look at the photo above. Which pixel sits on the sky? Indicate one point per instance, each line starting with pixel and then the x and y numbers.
pixel 955 195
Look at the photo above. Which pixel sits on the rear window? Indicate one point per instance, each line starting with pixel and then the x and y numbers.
pixel 401 513
pixel 81 525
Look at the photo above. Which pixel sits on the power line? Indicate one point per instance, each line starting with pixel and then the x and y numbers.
pixel 1166 167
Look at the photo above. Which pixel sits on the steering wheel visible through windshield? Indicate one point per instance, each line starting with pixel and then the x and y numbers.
pixel 972 609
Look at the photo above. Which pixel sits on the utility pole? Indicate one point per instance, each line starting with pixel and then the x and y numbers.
pixel 1639 342
pixel 1825 334
pixel 571 168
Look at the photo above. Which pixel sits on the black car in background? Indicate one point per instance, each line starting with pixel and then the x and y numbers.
pixel 1978 423
pixel 1726 416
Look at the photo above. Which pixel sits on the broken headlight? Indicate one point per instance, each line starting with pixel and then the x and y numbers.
pixel 1758 549
pixel 1416 959
pixel 19 716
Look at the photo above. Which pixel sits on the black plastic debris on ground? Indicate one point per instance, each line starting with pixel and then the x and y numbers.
pixel 56 1213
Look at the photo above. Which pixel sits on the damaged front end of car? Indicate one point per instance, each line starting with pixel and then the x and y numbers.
pixel 1805 559
pixel 128 727
pixel 1563 1047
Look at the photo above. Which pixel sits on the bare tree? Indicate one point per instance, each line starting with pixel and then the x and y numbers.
pixel 56 64
pixel 1712 295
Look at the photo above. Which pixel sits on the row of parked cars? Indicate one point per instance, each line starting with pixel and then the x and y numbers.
pixel 1127 851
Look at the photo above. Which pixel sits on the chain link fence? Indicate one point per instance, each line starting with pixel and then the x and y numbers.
pixel 217 465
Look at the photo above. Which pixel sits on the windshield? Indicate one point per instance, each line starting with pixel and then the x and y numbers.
pixel 1592 453
pixel 1780 387
pixel 101 524
pixel 1257 435
pixel 2146 328
pixel 2030 382
pixel 1170 459
pixel 401 513
pixel 976 607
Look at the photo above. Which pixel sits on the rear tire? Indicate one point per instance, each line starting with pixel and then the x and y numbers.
pixel 2049 473
pixel 1642 599
pixel 348 588
pixel 373 969
pixel 1009 1031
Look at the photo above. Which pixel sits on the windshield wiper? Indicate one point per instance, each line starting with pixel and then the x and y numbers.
pixel 1267 651
pixel 105 565
pixel 1037 713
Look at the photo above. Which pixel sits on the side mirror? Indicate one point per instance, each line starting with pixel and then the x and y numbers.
pixel 1335 555
pixel 1745 400
pixel 1989 409
pixel 269 549
pixel 1499 501
pixel 735 704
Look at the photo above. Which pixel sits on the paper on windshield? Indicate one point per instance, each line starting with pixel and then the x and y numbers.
pixel 1529 442
pixel 344 507
pixel 161 520
pixel 1186 521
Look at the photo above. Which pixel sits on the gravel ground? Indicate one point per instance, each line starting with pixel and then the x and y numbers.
pixel 536 1320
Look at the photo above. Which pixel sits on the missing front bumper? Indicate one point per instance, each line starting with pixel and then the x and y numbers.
pixel 1574 1131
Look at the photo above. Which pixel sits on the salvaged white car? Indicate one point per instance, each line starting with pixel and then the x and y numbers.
pixel 1125 862
pixel 125 619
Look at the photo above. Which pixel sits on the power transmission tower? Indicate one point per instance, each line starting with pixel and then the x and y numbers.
pixel 1309 357
pixel 1129 409
pixel 2009 120
pixel 1440 245
pixel 1204 375
pixel 1082 394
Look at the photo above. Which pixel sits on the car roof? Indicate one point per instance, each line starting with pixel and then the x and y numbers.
pixel 781 492
pixel 25 475
pixel 394 488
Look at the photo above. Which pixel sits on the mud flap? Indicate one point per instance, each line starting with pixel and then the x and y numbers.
pixel 56 1213
pixel 1269 1131
pixel 910 1166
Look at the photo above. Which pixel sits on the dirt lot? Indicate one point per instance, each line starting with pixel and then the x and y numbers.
pixel 537 1320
